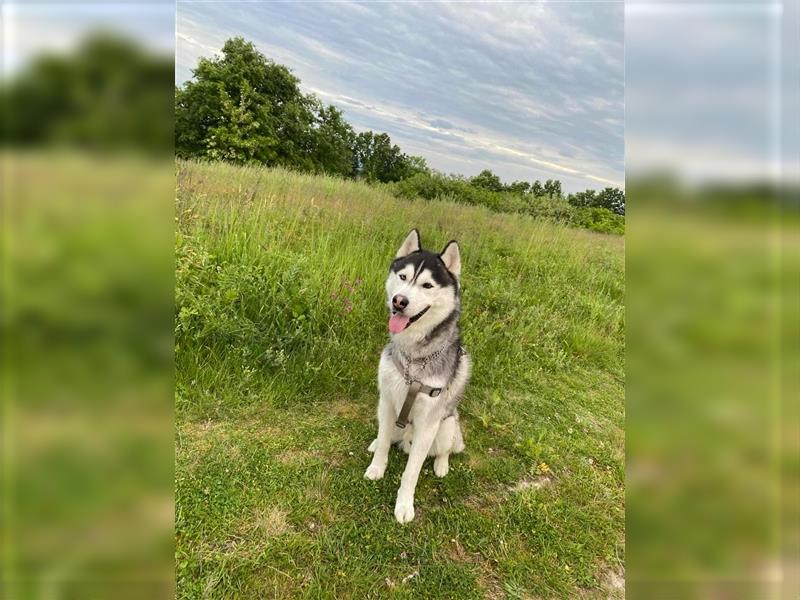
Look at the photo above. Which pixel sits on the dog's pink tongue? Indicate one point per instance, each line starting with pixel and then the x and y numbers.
pixel 397 323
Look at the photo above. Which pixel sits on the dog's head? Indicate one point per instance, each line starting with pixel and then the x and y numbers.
pixel 423 287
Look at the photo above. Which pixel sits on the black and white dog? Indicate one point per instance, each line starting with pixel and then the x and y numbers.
pixel 424 369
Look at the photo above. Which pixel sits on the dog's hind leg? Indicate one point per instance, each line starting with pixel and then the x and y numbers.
pixel 458 438
pixel 443 445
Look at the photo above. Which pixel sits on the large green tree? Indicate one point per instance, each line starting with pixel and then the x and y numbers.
pixel 243 107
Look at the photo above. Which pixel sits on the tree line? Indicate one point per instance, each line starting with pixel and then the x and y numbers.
pixel 245 108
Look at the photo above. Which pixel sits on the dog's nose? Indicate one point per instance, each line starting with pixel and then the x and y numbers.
pixel 399 301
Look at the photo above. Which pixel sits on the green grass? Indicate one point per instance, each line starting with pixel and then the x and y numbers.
pixel 279 324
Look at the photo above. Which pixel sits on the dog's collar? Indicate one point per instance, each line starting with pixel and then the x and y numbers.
pixel 422 360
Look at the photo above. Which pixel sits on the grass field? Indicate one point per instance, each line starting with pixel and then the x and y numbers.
pixel 279 325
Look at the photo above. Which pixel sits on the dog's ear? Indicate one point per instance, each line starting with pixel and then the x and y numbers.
pixel 411 244
pixel 452 258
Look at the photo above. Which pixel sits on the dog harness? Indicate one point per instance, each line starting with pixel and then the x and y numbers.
pixel 415 386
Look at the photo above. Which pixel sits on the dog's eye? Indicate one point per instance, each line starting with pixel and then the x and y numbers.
pixel 427 286
pixel 402 277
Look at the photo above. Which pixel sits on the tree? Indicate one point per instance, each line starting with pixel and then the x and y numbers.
pixel 333 147
pixel 375 158
pixel 612 199
pixel 244 107
pixel 552 188
pixel 487 181
pixel 519 187
pixel 587 198
pixel 537 189
pixel 416 165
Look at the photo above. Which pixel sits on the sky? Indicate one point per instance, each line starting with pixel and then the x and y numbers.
pixel 719 105
pixel 528 90
pixel 31 27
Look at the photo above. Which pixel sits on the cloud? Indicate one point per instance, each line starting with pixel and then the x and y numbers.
pixel 531 91
pixel 441 124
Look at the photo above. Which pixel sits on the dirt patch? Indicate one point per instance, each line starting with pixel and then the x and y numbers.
pixel 531 483
pixel 270 522
pixel 612 586
pixel 487 503
pixel 614 582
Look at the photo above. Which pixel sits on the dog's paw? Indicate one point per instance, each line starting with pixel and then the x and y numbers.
pixel 441 466
pixel 404 511
pixel 374 472
pixel 373 445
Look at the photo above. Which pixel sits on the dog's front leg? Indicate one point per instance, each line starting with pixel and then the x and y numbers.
pixel 424 434
pixel 386 418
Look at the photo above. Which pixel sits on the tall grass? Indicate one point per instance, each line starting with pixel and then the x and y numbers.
pixel 281 318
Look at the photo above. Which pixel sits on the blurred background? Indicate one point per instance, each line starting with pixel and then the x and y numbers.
pixel 87 297
pixel 712 296
pixel 712 299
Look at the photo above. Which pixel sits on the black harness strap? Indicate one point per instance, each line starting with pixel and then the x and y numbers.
pixel 414 388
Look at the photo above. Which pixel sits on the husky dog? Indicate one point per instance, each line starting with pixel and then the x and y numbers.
pixel 424 369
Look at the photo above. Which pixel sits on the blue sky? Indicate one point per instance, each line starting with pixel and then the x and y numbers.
pixel 529 90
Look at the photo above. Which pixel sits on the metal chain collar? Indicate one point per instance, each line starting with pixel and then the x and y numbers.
pixel 423 362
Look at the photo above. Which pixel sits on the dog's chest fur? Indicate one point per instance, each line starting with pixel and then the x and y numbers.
pixel 442 372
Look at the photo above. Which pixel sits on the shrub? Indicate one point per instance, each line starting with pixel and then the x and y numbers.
pixel 437 186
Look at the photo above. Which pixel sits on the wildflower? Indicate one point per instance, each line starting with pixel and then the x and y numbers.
pixel 543 468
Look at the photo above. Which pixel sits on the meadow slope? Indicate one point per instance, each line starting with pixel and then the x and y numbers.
pixel 280 320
